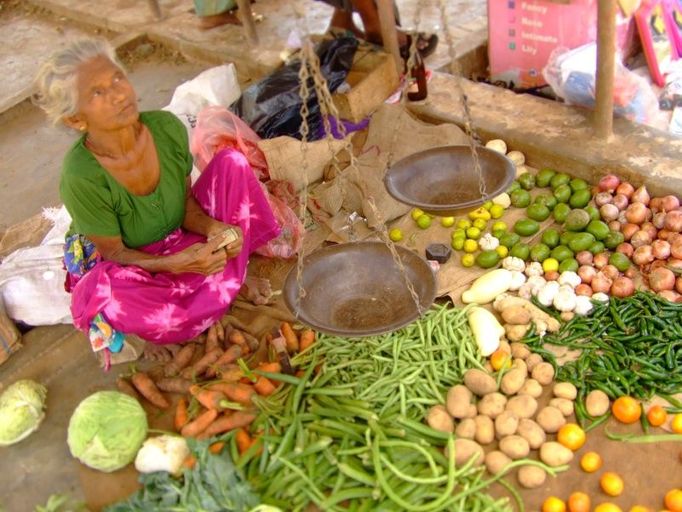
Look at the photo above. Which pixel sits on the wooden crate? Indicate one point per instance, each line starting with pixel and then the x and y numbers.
pixel 372 79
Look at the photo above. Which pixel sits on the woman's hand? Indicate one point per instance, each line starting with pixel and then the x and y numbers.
pixel 216 233
pixel 202 258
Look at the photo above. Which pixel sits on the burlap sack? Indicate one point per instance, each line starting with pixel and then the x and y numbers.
pixel 27 233
pixel 10 337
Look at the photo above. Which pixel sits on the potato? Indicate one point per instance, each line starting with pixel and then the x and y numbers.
pixel 515 447
pixel 565 390
pixel 520 364
pixel 533 360
pixel 479 382
pixel 496 461
pixel 472 412
pixel 488 367
pixel 519 350
pixel 531 477
pixel 466 429
pixel 597 403
pixel 439 419
pixel 531 388
pixel 506 424
pixel 550 419
pixel 531 432
pixel 543 373
pixel 504 347
pixel 492 405
pixel 563 404
pixel 555 454
pixel 465 449
pixel 458 401
pixel 512 381
pixel 516 315
pixel 485 430
pixel 523 406
pixel 516 332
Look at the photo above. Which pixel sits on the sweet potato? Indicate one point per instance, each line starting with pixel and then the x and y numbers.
pixel 126 387
pixel 180 361
pixel 145 385
pixel 174 385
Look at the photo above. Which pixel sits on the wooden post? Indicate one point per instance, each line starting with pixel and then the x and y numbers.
pixel 246 18
pixel 389 34
pixel 606 65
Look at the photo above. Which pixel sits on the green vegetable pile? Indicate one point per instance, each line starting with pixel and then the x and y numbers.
pixel 354 433
pixel 630 346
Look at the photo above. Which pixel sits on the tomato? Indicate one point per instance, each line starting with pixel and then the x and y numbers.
pixel 676 425
pixel 578 502
pixel 571 436
pixel 673 500
pixel 553 504
pixel 611 483
pixel 626 409
pixel 656 415
pixel 590 462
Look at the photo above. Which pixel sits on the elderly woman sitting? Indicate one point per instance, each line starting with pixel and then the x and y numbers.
pixel 147 253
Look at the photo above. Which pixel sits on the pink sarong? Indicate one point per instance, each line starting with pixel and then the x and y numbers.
pixel 172 308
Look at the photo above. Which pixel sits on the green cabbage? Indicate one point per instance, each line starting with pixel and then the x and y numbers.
pixel 22 408
pixel 106 430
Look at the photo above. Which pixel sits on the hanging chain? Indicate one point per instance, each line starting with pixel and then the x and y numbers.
pixel 456 71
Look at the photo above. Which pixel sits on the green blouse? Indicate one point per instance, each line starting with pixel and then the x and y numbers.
pixel 99 205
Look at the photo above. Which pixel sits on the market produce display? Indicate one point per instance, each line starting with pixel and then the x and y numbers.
pixel 22 409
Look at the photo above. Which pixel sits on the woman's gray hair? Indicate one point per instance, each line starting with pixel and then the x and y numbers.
pixel 57 90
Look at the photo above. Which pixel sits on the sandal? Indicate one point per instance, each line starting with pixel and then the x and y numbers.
pixel 426 45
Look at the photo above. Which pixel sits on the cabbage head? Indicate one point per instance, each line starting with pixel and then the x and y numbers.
pixel 22 408
pixel 106 430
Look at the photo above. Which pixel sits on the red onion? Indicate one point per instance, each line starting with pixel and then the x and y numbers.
pixel 584 257
pixel 602 198
pixel 601 283
pixel 600 260
pixel 615 225
pixel 621 201
pixel 586 273
pixel 670 203
pixel 656 204
pixel 583 289
pixel 622 287
pixel 628 230
pixel 626 189
pixel 670 295
pixel 609 183
pixel 609 212
pixel 664 234
pixel 640 238
pixel 673 221
pixel 636 213
pixel 641 195
pixel 610 271
pixel 643 255
pixel 660 249
pixel 678 284
pixel 659 220
pixel 676 248
pixel 626 249
pixel 661 279
pixel 651 229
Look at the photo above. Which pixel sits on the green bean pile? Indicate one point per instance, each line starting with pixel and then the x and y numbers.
pixel 351 436
pixel 630 346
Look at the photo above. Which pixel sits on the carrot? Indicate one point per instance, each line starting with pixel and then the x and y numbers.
pixel 289 336
pixel 181 415
pixel 189 462
pixel 212 341
pixel 307 339
pixel 264 386
pixel 145 385
pixel 196 427
pixel 229 356
pixel 216 447
pixel 208 398
pixel 126 387
pixel 181 359
pixel 200 366
pixel 236 337
pixel 272 367
pixel 220 332
pixel 243 440
pixel 299 373
pixel 235 391
pixel 251 341
pixel 174 385
pixel 227 422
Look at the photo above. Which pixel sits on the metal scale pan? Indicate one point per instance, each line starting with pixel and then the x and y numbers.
pixel 356 289
pixel 443 181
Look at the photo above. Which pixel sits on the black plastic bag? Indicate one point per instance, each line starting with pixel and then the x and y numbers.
pixel 272 106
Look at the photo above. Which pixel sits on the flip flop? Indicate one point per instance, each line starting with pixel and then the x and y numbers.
pixel 427 42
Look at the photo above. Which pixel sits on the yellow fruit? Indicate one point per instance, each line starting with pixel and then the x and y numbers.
pixel 590 462
pixel 500 359
pixel 395 234
pixel 447 222
pixel 500 226
pixel 424 221
pixel 611 483
pixel 416 213
pixel 470 246
pixel 639 508
pixel 496 211
pixel 488 205
pixel 502 251
pixel 463 223
pixel 553 504
pixel 676 424
pixel 468 260
pixel 550 264
pixel 607 507
pixel 480 224
pixel 578 502
pixel 459 232
pixel 479 213
pixel 474 233
pixel 458 243
pixel 673 500
pixel 571 436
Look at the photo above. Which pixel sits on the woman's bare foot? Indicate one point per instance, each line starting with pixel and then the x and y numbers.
pixel 159 353
pixel 257 290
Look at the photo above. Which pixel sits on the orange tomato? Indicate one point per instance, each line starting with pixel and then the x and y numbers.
pixel 676 425
pixel 673 500
pixel 578 502
pixel 626 409
pixel 611 483
pixel 571 436
pixel 500 359
pixel 590 462
pixel 656 415
pixel 607 507
pixel 553 504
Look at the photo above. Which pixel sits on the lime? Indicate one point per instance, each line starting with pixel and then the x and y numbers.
pixel 396 234
pixel 599 229
pixel 544 177
pixel 468 260
pixel 539 252
pixel 520 198
pixel 560 212
pixel 526 227
pixel 487 259
pixel 620 261
pixel 447 222
pixel 550 238
pixel 578 184
pixel 502 251
pixel 562 193
pixel 480 224
pixel 577 220
pixel 487 205
pixel 496 211
pixel 597 247
pixel 458 243
pixel 547 199
pixel 614 239
pixel 515 185
pixel 566 237
pixel 550 264
pixel 580 198
pixel 470 246
pixel 559 179
pixel 474 233
pixel 520 250
pixel 537 211
pixel 581 242
pixel 569 265
pixel 457 233
pixel 424 221
pixel 527 181
pixel 509 240
pixel 463 223
pixel 416 213
pixel 561 253
pixel 500 226
pixel 593 212
pixel 479 213
pixel 497 233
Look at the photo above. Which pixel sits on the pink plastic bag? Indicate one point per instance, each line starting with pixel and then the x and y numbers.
pixel 218 128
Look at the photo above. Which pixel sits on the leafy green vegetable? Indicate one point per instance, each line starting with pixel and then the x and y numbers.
pixel 61 503
pixel 213 485
pixel 22 408
pixel 106 430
